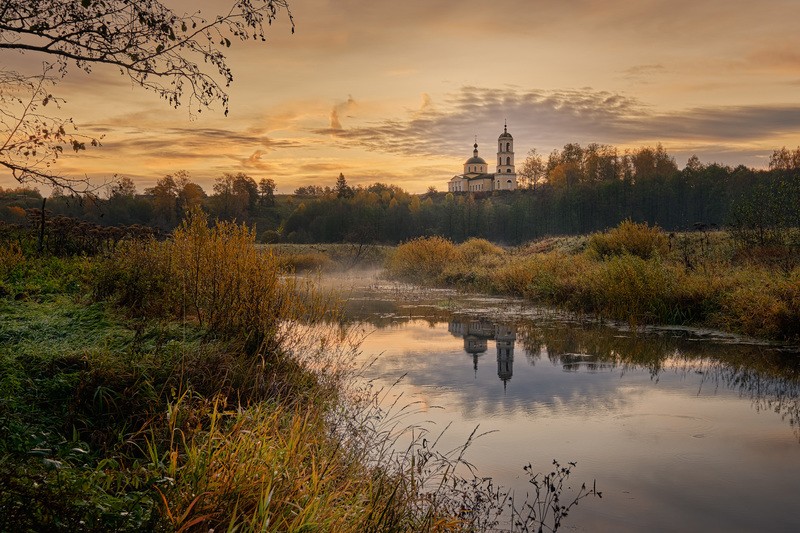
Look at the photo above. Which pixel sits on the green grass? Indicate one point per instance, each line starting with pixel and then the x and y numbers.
pixel 51 476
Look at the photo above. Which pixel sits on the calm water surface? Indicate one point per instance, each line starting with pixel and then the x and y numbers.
pixel 683 430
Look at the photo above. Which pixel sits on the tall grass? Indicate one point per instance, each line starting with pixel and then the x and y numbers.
pixel 329 257
pixel 763 304
pixel 422 259
pixel 205 389
pixel 630 288
pixel 10 257
pixel 216 276
pixel 10 260
pixel 637 239
pixel 632 273
pixel 270 468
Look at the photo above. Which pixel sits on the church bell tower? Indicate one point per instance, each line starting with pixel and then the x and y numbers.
pixel 506 176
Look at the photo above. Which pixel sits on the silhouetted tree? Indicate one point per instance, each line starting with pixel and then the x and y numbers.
pixel 784 159
pixel 165 201
pixel 266 192
pixel 343 190
pixel 123 187
pixel 235 194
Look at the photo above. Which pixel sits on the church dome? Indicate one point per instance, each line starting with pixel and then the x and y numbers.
pixel 505 134
pixel 475 160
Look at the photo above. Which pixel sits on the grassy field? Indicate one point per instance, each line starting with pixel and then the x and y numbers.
pixel 633 273
pixel 192 385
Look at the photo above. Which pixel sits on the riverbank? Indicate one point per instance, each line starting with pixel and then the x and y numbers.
pixel 633 273
pixel 158 389
pixel 192 384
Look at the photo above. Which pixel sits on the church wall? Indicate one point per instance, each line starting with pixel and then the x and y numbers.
pixel 458 185
pixel 501 182
pixel 480 185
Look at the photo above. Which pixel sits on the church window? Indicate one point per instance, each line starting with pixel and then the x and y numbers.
pixel 508 160
pixel 508 147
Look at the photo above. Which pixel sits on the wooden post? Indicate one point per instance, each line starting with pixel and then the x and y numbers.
pixel 41 228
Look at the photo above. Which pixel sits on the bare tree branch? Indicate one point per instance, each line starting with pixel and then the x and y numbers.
pixel 175 55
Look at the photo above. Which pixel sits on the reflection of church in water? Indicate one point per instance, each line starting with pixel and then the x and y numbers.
pixel 477 333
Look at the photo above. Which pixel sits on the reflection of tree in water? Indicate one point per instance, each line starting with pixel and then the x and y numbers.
pixel 561 342
pixel 778 393
pixel 767 376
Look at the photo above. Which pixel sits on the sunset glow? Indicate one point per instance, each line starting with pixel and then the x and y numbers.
pixel 396 92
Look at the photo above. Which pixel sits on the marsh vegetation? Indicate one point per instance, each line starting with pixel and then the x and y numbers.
pixel 192 384
pixel 634 273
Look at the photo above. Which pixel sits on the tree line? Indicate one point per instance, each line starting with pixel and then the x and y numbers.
pixel 235 196
pixel 577 190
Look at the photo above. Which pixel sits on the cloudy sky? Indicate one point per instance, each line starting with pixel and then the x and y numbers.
pixel 396 91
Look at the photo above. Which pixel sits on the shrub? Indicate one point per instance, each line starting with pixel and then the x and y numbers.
pixel 422 259
pixel 215 275
pixel 11 258
pixel 695 295
pixel 763 304
pixel 474 265
pixel 300 262
pixel 138 278
pixel 473 249
pixel 629 237
pixel 783 257
pixel 630 288
pixel 552 278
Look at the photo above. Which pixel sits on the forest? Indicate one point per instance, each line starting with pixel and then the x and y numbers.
pixel 577 190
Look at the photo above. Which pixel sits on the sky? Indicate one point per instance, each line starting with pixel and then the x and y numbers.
pixel 396 92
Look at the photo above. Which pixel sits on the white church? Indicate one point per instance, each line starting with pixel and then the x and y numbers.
pixel 476 177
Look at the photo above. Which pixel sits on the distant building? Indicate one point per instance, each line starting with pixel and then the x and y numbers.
pixel 476 175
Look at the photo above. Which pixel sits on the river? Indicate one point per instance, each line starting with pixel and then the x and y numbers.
pixel 682 429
